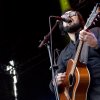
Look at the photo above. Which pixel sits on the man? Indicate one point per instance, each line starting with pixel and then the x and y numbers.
pixel 91 37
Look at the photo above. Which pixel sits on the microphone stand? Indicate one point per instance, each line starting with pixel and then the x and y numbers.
pixel 46 43
pixel 46 37
pixel 53 73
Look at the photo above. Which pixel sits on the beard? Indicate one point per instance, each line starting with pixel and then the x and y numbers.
pixel 72 28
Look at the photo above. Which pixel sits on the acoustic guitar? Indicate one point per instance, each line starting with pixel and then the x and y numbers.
pixel 77 81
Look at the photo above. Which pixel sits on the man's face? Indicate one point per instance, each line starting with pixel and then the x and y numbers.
pixel 74 23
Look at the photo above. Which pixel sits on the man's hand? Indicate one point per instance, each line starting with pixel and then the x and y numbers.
pixel 60 77
pixel 89 38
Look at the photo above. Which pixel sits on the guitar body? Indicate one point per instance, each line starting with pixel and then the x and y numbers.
pixel 75 86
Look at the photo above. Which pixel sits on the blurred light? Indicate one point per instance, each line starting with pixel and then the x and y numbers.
pixel 64 5
pixel 11 63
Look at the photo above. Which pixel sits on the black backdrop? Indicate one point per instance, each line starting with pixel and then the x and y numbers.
pixel 23 24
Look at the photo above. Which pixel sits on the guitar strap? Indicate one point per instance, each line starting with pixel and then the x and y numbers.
pixel 84 53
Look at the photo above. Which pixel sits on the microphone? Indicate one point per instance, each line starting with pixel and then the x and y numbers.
pixel 61 19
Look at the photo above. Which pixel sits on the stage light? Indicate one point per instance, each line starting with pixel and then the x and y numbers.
pixel 64 5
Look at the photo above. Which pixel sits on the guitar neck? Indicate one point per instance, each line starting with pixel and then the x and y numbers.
pixel 77 54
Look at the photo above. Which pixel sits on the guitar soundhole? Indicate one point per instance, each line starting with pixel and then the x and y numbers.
pixel 71 79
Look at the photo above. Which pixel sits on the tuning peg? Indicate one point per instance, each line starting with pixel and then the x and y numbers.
pixel 96 19
pixel 93 23
pixel 98 16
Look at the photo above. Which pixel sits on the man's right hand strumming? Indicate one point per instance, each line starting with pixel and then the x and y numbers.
pixel 60 77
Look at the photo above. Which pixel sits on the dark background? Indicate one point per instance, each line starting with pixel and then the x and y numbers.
pixel 23 25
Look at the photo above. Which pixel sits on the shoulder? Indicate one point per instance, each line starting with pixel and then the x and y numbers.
pixel 95 29
pixel 66 50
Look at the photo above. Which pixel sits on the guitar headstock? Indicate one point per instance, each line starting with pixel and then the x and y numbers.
pixel 94 17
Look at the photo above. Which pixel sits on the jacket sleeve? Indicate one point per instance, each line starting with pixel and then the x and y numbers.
pixel 96 31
